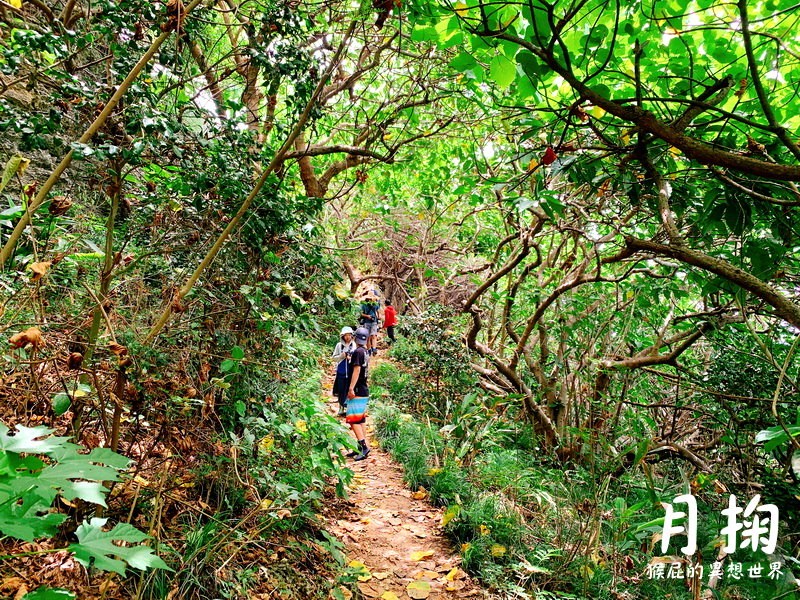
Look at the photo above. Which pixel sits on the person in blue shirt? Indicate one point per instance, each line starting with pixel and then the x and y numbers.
pixel 369 320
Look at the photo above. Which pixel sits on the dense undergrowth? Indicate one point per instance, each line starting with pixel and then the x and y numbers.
pixel 231 501
pixel 527 522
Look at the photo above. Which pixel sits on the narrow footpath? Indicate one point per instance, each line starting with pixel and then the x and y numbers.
pixel 393 536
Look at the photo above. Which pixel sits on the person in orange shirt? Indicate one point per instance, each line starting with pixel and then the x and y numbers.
pixel 389 320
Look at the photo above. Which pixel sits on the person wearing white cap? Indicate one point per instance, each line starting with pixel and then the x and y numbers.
pixel 341 354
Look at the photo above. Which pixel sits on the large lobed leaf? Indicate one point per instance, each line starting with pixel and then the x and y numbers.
pixel 25 440
pixel 96 547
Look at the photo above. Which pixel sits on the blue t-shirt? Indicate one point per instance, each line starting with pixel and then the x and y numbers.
pixel 371 309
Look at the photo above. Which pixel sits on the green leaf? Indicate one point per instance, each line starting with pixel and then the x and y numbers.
pixel 463 62
pixel 26 521
pixel 101 464
pixel 237 353
pixel 61 403
pixel 25 440
pixel 96 547
pixel 530 64
pixel 776 436
pixel 44 593
pixel 503 71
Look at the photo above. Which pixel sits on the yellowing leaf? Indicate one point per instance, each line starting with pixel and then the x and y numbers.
pixel 339 290
pixel 24 162
pixel 461 9
pixel 356 564
pixel 451 576
pixel 597 112
pixel 450 514
pixel 418 590
pixel 15 3
pixel 361 570
pixel 420 494
pixel 301 426
pixel 265 504
pixel 432 472
pixel 465 547
pixel 498 550
pixel 389 596
pixel 421 554
pixel 674 151
pixel 266 444
pixel 381 575
pixel 533 164
pixel 484 529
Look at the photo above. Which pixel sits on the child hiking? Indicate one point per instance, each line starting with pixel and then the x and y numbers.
pixel 344 349
pixel 358 394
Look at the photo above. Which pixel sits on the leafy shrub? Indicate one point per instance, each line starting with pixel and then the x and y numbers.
pixel 35 469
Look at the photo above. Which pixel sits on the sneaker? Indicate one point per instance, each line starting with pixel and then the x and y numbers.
pixel 342 411
pixel 363 455
pixel 353 454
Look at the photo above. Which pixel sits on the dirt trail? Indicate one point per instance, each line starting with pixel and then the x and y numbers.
pixel 397 537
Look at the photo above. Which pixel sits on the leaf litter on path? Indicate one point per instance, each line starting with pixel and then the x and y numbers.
pixel 398 535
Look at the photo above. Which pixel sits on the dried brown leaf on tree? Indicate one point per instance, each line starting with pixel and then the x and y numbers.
pixel 176 13
pixel 32 336
pixel 59 205
pixel 117 349
pixel 39 269
pixel 74 360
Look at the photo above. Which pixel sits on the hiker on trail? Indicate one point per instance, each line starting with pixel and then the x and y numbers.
pixel 369 320
pixel 389 319
pixel 358 394
pixel 344 349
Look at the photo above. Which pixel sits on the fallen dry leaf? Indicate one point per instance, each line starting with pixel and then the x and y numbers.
pixel 418 590
pixel 455 574
pixel 21 592
pixel 346 594
pixel 420 494
pixel 421 555
pixel 455 586
pixel 369 590
pixel 426 574
pixel 389 596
